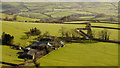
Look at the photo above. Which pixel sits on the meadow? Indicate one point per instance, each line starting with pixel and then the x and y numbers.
pixel 65 12
pixel 18 18
pixel 33 15
pixel 10 55
pixel 83 54
pixel 73 54
pixel 17 29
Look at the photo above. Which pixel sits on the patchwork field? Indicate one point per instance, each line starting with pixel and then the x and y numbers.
pixel 33 15
pixel 62 13
pixel 17 18
pixel 17 29
pixel 73 54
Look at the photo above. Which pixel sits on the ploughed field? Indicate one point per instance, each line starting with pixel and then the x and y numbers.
pixel 73 54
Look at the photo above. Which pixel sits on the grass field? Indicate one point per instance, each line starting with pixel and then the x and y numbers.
pixel 53 29
pixel 17 29
pixel 10 55
pixel 98 24
pixel 105 25
pixel 73 54
pixel 33 15
pixel 77 22
pixel 83 54
pixel 62 13
pixel 113 33
pixel 18 18
pixel 87 17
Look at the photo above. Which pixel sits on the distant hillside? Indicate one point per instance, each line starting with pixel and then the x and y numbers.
pixel 57 10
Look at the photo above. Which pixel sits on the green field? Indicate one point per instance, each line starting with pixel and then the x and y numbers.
pixel 17 29
pixel 73 54
pixel 20 28
pixel 10 55
pixel 105 25
pixel 18 18
pixel 77 22
pixel 83 54
pixel 33 15
pixel 87 17
pixel 64 12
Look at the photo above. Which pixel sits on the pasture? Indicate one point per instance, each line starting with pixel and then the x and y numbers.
pixel 73 54
pixel 17 29
pixel 10 55
pixel 33 15
pixel 67 12
pixel 83 54
pixel 18 18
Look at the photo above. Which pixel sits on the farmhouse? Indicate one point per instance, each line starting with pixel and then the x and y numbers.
pixel 39 48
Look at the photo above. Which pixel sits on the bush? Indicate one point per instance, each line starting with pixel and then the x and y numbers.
pixel 7 39
pixel 33 32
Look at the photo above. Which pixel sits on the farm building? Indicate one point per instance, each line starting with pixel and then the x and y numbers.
pixel 39 48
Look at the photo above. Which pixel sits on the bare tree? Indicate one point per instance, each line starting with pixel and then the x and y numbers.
pixel 104 35
pixel 62 31
pixel 94 34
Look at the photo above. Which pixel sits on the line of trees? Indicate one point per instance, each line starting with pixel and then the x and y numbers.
pixel 10 19
pixel 102 34
pixel 66 35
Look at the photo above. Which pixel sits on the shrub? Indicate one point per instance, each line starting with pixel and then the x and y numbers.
pixel 33 32
pixel 7 39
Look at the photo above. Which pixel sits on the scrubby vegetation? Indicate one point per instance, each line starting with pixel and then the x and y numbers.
pixel 33 32
pixel 7 39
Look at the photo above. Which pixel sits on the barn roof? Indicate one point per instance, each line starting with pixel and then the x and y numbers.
pixel 32 52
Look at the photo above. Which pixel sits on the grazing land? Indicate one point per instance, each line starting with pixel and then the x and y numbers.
pixel 82 52
pixel 10 55
pixel 77 54
pixel 14 27
pixel 19 18
pixel 23 27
